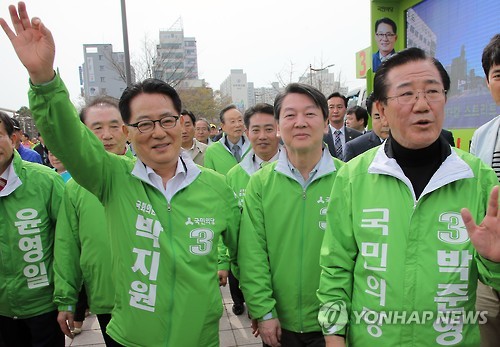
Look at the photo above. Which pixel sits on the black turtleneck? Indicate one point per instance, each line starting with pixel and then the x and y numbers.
pixel 419 165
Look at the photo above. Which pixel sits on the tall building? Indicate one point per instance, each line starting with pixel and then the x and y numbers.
pixel 267 95
pixel 103 72
pixel 177 58
pixel 235 86
pixel 323 80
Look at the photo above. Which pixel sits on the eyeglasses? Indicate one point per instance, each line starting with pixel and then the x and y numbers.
pixel 386 35
pixel 411 97
pixel 146 126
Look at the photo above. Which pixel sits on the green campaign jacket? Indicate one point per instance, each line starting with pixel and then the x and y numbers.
pixel 219 158
pixel 164 252
pixel 391 262
pixel 281 232
pixel 28 216
pixel 82 252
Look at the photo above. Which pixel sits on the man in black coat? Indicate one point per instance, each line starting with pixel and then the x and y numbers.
pixel 371 139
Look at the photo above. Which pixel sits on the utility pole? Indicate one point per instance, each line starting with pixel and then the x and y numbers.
pixel 125 45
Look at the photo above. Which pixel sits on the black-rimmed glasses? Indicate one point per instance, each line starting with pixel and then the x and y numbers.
pixel 147 125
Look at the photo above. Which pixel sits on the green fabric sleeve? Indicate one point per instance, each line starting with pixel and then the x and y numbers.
pixel 67 249
pixel 255 273
pixel 337 259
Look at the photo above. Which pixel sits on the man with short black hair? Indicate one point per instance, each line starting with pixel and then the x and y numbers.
pixel 379 132
pixel 261 131
pixel 357 118
pixel 26 153
pixel 338 134
pixel 386 36
pixel 41 149
pixel 190 144
pixel 283 223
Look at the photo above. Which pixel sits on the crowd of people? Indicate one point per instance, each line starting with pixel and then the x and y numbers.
pixel 329 234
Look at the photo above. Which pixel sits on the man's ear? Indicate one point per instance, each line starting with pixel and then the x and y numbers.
pixel 15 138
pixel 181 121
pixel 381 110
pixel 126 132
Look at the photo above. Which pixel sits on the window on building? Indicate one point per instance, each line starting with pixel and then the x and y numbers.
pixel 103 79
pixel 100 56
pixel 101 67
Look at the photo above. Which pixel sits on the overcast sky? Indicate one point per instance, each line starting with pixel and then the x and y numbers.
pixel 262 37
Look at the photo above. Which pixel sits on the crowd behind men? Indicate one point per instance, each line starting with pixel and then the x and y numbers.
pixel 308 242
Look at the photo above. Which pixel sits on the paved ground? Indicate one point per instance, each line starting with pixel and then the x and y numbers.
pixel 233 330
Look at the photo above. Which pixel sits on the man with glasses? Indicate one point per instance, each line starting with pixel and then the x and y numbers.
pixel 402 253
pixel 165 215
pixel 386 36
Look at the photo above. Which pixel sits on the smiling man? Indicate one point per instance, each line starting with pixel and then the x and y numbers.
pixel 222 155
pixel 399 241
pixel 261 130
pixel 386 37
pixel 283 223
pixel 165 215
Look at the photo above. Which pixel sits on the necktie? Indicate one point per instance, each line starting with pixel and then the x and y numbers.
pixel 338 145
pixel 3 183
pixel 236 153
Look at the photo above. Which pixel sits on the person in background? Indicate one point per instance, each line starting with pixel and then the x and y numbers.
pixel 337 134
pixel 202 131
pixel 190 144
pixel 42 150
pixel 26 153
pixel 380 131
pixel 357 118
pixel 222 155
pixel 59 167
pixel 26 140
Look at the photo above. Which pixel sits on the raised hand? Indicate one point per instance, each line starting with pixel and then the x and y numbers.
pixel 486 236
pixel 33 43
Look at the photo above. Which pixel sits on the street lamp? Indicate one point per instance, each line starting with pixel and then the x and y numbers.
pixel 311 69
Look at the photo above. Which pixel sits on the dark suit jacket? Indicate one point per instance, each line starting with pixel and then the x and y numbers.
pixel 448 136
pixel 349 135
pixel 361 144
